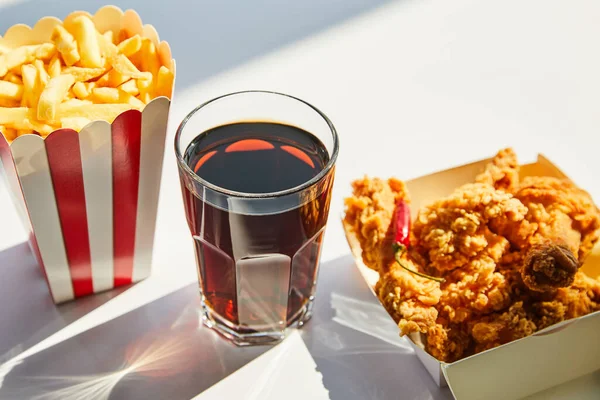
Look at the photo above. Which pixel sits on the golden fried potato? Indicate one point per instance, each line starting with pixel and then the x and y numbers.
pixel 164 82
pixel 30 97
pixel 130 46
pixel 75 123
pixel 66 45
pixel 25 54
pixel 86 36
pixel 53 95
pixel 11 91
pixel 130 87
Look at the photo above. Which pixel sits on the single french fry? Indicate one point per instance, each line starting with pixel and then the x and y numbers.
pixel 150 58
pixel 53 95
pixel 130 46
pixel 105 95
pixel 93 112
pixel 84 74
pixel 80 91
pixel 43 76
pixel 145 87
pixel 75 123
pixel 130 87
pixel 86 36
pixel 54 67
pixel 9 116
pixel 44 51
pixel 164 82
pixel 65 44
pixel 14 78
pixel 112 95
pixel 29 74
pixel 11 91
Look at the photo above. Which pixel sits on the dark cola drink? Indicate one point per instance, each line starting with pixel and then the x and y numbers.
pixel 258 251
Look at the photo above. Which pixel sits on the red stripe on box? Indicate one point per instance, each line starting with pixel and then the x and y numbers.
pixel 64 159
pixel 126 147
pixel 15 188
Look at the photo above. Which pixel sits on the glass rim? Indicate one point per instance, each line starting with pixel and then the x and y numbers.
pixel 233 193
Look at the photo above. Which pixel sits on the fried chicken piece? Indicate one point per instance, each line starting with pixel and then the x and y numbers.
pixel 453 237
pixel 560 229
pixel 448 342
pixel 502 172
pixel 581 298
pixel 369 212
pixel 499 328
pixel 408 298
pixel 453 231
pixel 474 289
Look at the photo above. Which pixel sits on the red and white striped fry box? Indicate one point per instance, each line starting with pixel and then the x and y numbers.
pixel 89 198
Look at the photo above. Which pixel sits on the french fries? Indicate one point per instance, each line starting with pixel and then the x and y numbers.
pixel 80 75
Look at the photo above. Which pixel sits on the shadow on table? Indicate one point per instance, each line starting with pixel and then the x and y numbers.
pixel 27 312
pixel 209 37
pixel 158 351
pixel 356 345
pixel 161 351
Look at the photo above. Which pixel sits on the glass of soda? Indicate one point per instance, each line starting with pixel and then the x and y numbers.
pixel 256 172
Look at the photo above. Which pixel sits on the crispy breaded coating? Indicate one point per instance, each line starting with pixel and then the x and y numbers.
pixel 502 327
pixel 474 289
pixel 453 231
pixel 369 211
pixel 560 229
pixel 581 298
pixel 408 298
pixel 502 172
pixel 448 342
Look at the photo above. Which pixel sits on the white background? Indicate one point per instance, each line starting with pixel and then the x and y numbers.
pixel 412 87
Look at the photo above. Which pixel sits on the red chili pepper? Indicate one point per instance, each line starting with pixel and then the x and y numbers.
pixel 402 237
pixel 402 226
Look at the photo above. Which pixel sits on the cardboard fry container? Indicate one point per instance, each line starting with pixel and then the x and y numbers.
pixel 89 199
pixel 552 356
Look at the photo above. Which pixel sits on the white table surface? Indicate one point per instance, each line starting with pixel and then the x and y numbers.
pixel 412 87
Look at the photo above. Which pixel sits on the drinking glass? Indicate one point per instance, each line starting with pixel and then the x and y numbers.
pixel 257 253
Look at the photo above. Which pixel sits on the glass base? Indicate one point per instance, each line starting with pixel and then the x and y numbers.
pixel 252 338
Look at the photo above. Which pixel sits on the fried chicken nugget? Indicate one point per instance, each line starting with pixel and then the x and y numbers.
pixel 369 212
